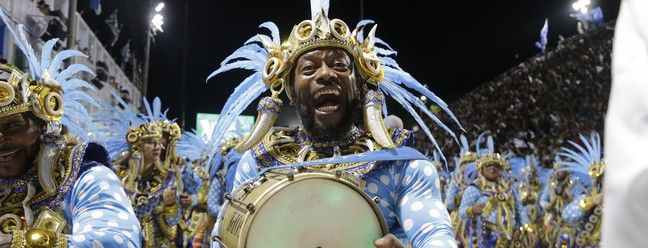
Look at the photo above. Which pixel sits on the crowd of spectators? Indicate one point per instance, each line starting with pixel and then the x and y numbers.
pixel 536 106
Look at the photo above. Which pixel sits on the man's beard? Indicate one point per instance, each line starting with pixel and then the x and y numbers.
pixel 322 133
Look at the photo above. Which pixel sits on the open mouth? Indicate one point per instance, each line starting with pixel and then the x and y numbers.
pixel 8 155
pixel 327 100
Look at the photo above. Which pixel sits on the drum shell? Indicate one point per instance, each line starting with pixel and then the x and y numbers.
pixel 239 215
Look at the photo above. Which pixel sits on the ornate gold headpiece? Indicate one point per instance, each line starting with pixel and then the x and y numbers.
pixel 320 32
pixel 229 144
pixel 146 130
pixel 492 158
pixel 19 93
pixel 170 128
pixel 597 169
pixel 272 66
pixel 467 157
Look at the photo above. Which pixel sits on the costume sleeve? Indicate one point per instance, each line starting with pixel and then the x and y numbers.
pixel 545 197
pixel 451 194
pixel 190 179
pixel 215 197
pixel 410 196
pixel 573 212
pixel 245 170
pixel 468 199
pixel 521 210
pixel 100 212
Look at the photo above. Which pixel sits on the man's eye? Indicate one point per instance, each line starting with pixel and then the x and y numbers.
pixel 340 64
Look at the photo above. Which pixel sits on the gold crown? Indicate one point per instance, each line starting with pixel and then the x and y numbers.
pixel 169 128
pixel 229 144
pixel 320 32
pixel 19 93
pixel 492 158
pixel 147 130
pixel 467 157
pixel 597 169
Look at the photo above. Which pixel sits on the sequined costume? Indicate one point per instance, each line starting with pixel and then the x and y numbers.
pixel 68 195
pixel 587 161
pixel 458 183
pixel 553 200
pixel 89 208
pixel 503 215
pixel 412 185
pixel 364 74
pixel 125 134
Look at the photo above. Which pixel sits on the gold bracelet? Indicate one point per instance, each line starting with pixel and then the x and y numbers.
pixel 586 203
pixel 61 240
pixel 469 211
pixel 527 227
pixel 18 239
pixel 40 238
pixel 171 210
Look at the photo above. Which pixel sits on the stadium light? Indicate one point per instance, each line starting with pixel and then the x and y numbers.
pixel 159 7
pixel 157 22
pixel 581 5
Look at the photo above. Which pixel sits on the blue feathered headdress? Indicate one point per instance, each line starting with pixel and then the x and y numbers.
pixel 586 159
pixel 271 61
pixel 49 91
pixel 115 123
pixel 192 146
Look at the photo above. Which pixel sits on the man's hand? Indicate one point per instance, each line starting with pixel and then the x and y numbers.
pixel 477 208
pixel 169 196
pixel 389 241
pixel 597 199
pixel 5 240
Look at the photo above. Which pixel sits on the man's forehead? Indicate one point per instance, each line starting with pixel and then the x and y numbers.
pixel 14 117
pixel 325 50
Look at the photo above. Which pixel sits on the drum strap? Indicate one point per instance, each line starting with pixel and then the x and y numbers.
pixel 399 153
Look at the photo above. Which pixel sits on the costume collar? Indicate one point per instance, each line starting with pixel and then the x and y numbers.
pixel 303 139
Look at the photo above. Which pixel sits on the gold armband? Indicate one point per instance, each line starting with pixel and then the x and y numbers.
pixel 586 204
pixel 171 210
pixel 469 211
pixel 38 238
pixel 527 228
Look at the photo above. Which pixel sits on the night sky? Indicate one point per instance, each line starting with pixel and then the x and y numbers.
pixel 451 46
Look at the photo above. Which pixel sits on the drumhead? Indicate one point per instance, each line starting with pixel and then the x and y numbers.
pixel 315 212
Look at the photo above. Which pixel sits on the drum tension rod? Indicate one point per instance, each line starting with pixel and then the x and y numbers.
pixel 248 206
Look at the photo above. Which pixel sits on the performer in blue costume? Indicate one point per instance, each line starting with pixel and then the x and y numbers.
pixel 135 145
pixel 493 204
pixel 458 184
pixel 330 73
pixel 559 191
pixel 586 209
pixel 54 193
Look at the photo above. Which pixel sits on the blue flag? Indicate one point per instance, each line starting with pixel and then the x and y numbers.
pixel 542 43
pixel 96 6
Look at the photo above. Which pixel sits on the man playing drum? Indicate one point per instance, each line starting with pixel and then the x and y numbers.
pixel 335 78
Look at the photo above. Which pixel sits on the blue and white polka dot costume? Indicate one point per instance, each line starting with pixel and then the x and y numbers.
pixel 410 199
pixel 573 213
pixel 489 235
pixel 98 210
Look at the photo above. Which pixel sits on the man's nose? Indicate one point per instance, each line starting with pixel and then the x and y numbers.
pixel 327 73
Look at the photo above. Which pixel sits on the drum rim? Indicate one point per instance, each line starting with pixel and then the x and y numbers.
pixel 281 184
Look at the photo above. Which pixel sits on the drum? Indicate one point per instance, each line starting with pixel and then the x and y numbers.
pixel 309 208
